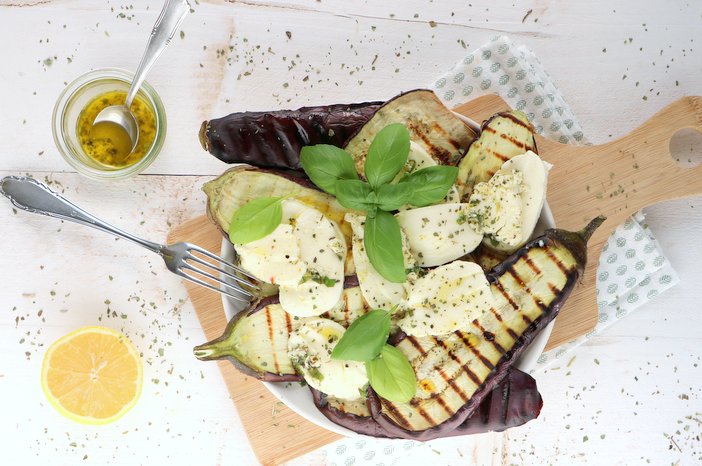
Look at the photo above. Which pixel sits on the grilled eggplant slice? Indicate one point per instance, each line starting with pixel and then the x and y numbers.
pixel 274 139
pixel 456 372
pixel 256 340
pixel 502 137
pixel 239 185
pixel 434 127
pixel 513 402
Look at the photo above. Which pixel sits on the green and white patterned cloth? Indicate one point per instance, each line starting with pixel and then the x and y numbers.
pixel 632 268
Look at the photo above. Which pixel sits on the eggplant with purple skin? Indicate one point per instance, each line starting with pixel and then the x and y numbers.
pixel 256 339
pixel 512 402
pixel 274 139
pixel 456 372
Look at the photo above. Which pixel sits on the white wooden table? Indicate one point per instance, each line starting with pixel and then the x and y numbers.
pixel 631 396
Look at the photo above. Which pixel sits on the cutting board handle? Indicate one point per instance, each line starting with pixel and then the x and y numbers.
pixel 623 176
pixel 651 144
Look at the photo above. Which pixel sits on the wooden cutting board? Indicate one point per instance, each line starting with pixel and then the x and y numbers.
pixel 615 179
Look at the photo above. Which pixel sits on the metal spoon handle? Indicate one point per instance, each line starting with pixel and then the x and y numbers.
pixel 167 24
pixel 32 196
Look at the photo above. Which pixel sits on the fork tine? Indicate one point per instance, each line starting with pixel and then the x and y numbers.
pixel 194 247
pixel 180 273
pixel 230 275
pixel 214 278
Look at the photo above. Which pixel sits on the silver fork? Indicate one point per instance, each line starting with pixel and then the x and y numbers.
pixel 30 195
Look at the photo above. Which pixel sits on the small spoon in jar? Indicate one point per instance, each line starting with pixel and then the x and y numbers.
pixel 169 20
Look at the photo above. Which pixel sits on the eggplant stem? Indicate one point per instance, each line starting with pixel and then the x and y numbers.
pixel 590 228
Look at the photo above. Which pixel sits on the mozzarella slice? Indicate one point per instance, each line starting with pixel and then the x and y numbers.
pixel 378 292
pixel 275 258
pixel 438 234
pixel 446 299
pixel 496 209
pixel 532 195
pixel 323 250
pixel 310 346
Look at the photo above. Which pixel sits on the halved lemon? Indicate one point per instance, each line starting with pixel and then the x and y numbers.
pixel 92 375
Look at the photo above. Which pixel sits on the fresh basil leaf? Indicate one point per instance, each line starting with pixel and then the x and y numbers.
pixel 391 375
pixel 394 196
pixel 256 219
pixel 325 165
pixel 355 194
pixel 383 242
pixel 364 338
pixel 387 154
pixel 430 184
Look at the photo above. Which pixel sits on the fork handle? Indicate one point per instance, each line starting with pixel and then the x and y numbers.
pixel 30 195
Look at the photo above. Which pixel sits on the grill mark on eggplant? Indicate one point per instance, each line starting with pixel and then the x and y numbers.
pixel 446 136
pixel 537 302
pixel 553 288
pixel 500 156
pixel 515 120
pixel 269 324
pixel 288 323
pixel 397 415
pixel 416 344
pixel 475 351
pixel 441 402
pixel 507 328
pixel 555 260
pixel 506 136
pixel 451 383
pixel 507 296
pixel 531 265
pixel 489 337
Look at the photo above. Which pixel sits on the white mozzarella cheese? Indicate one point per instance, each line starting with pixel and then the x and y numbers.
pixel 496 209
pixel 532 194
pixel 310 346
pixel 507 207
pixel 438 234
pixel 446 299
pixel 378 292
pixel 323 250
pixel 275 258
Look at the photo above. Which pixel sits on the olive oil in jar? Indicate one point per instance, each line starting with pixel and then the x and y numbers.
pixel 107 143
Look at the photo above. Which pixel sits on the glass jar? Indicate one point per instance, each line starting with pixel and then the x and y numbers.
pixel 76 97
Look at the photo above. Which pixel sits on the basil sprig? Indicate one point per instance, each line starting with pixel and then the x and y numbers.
pixel 256 219
pixel 334 171
pixel 389 372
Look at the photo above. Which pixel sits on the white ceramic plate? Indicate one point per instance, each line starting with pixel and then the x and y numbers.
pixel 298 397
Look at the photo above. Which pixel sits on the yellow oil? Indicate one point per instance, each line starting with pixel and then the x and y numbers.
pixel 107 143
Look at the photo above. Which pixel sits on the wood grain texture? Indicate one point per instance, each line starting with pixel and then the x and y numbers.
pixel 276 433
pixel 616 179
